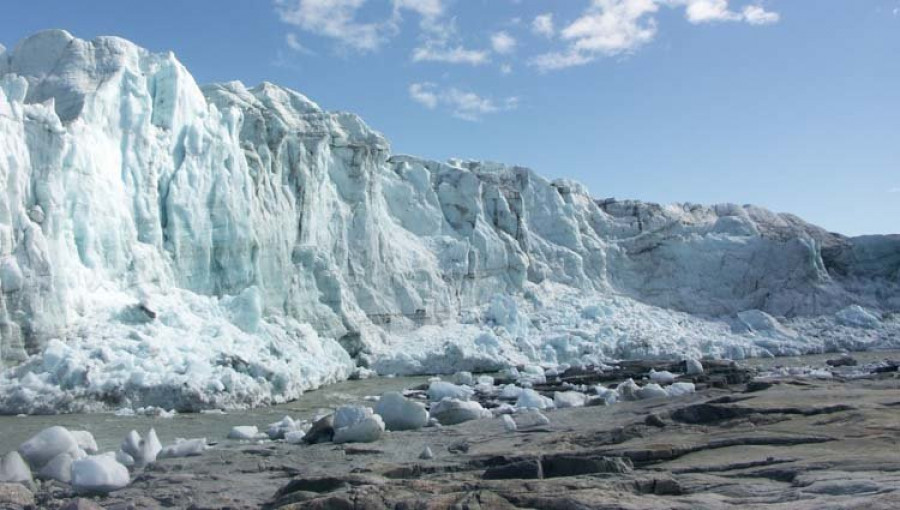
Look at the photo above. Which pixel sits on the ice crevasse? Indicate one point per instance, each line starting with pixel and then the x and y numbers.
pixel 169 244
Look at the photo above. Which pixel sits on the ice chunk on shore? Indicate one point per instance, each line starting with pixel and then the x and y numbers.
pixel 46 444
pixel 451 411
pixel 357 424
pixel 607 395
pixel 464 378
pixel 244 432
pixel 13 468
pixel 693 367
pixel 651 390
pixel 124 459
pixel 662 377
pixel 99 473
pixel 85 441
pixel 680 389
pixel 531 418
pixel 280 429
pixel 142 450
pixel 533 400
pixel 510 392
pixel 400 413
pixel 184 448
pixel 563 399
pixel 508 423
pixel 440 390
pixel 60 467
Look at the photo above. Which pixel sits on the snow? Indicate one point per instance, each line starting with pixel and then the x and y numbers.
pixel 13 468
pixel 451 411
pixel 185 247
pixel 400 413
pixel 99 473
pixel 357 424
pixel 47 444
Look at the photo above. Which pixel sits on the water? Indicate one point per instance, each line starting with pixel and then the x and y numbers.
pixel 109 429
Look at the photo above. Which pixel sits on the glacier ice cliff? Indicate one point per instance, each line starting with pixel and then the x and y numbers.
pixel 164 243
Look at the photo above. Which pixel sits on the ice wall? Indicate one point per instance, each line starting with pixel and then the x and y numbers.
pixel 141 210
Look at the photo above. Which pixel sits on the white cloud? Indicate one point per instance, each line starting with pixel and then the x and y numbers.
pixel 714 11
pixel 451 55
pixel 709 11
pixel 442 43
pixel 543 25
pixel 506 69
pixel 334 19
pixel 894 190
pixel 503 43
pixel 294 43
pixel 338 19
pixel 461 104
pixel 608 27
pixel 428 9
pixel 605 28
pixel 423 94
pixel 614 27
pixel 560 60
pixel 756 15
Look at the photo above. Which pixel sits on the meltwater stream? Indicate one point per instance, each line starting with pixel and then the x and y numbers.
pixel 109 429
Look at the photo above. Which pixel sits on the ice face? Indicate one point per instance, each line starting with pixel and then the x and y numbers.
pixel 165 244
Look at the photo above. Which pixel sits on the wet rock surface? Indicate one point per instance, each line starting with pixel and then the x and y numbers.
pixel 789 443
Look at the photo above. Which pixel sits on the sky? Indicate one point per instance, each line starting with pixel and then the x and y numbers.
pixel 793 105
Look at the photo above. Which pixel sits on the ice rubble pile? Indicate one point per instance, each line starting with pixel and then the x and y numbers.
pixel 165 244
pixel 71 457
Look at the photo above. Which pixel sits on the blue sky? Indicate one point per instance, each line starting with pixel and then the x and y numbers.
pixel 790 104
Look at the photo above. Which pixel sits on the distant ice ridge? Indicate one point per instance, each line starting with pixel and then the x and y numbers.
pixel 163 244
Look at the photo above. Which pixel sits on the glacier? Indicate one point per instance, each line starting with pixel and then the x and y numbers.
pixel 168 244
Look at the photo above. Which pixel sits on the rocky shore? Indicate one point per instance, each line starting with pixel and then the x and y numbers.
pixel 788 438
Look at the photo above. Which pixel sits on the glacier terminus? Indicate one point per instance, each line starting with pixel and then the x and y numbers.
pixel 164 243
